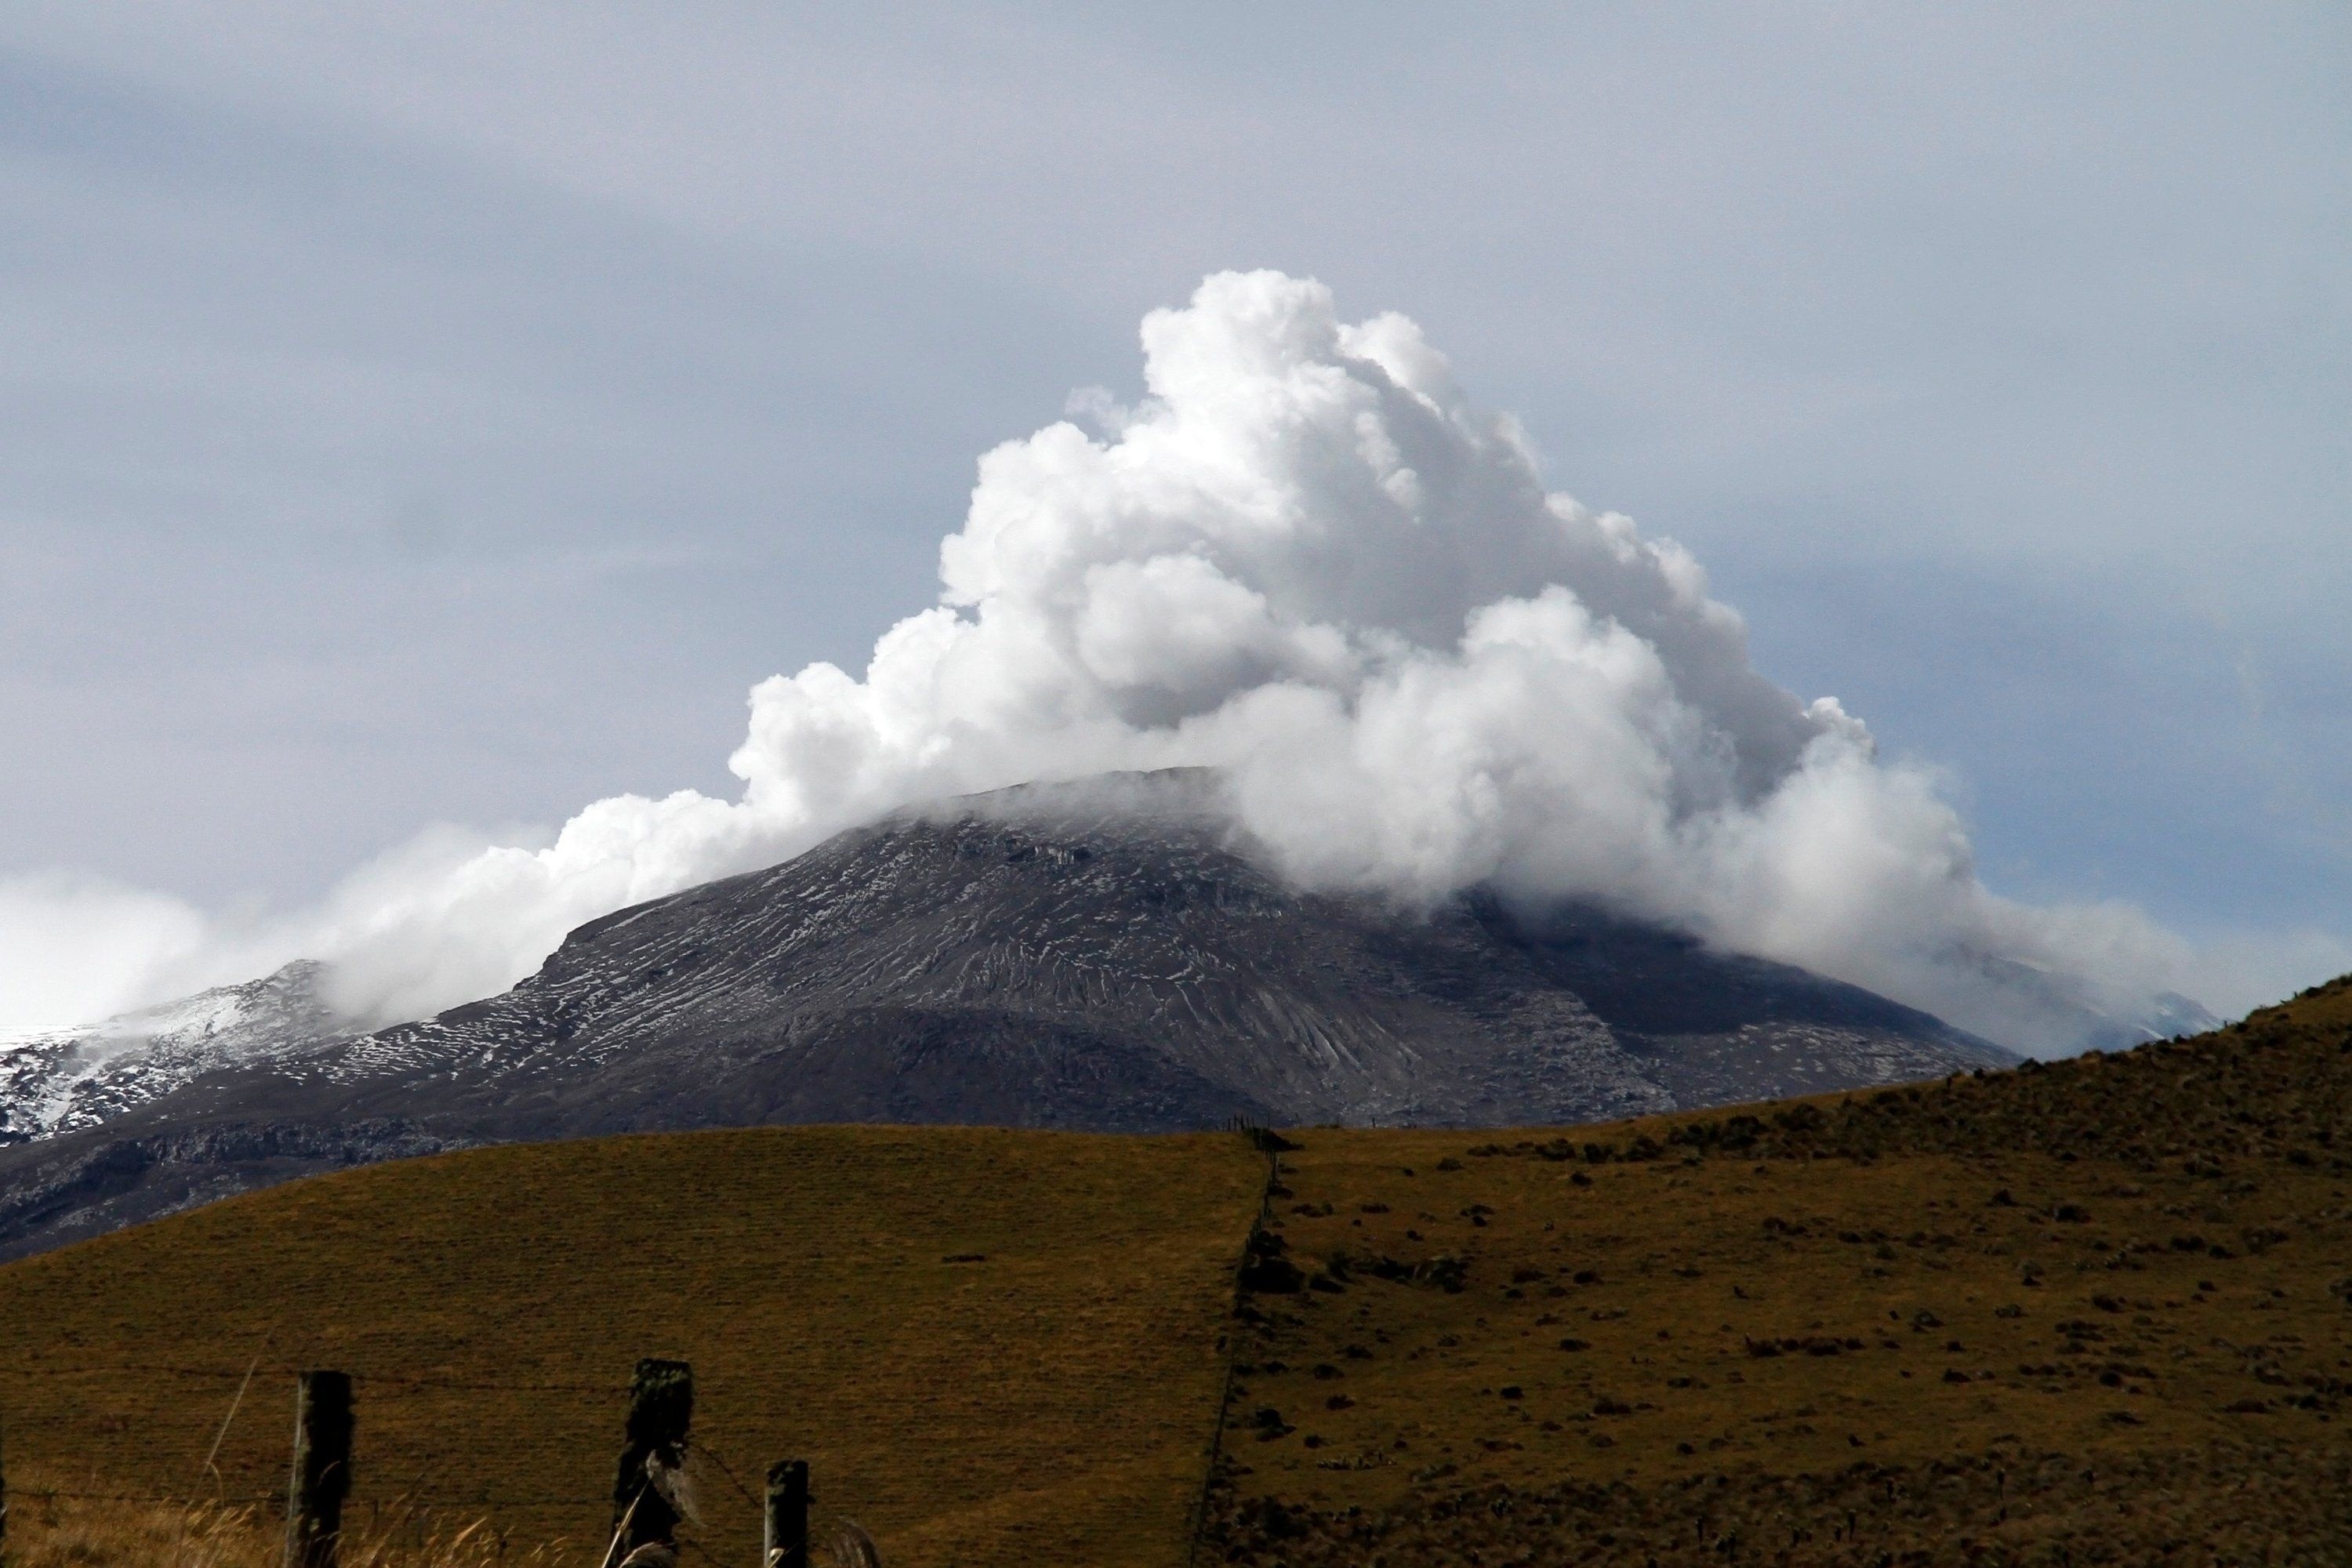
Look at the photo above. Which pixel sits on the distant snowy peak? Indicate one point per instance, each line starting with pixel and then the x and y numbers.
pixel 2171 1017
pixel 57 1081
pixel 2056 1014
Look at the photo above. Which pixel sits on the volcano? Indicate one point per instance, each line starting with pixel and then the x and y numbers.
pixel 1103 956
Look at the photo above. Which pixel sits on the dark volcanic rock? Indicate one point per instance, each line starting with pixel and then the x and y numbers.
pixel 1025 959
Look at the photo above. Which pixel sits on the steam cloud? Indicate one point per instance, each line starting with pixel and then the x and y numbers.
pixel 1308 561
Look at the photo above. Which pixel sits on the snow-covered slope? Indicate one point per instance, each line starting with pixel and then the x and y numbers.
pixel 58 1081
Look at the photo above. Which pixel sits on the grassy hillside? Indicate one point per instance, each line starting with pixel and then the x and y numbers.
pixel 2094 1312
pixel 2091 1311
pixel 992 1346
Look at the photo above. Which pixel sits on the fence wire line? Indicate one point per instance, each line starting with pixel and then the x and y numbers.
pixel 154 1370
pixel 462 1386
pixel 727 1470
pixel 428 1501
pixel 424 1501
pixel 454 1384
pixel 24 1494
pixel 699 1447
pixel 38 1494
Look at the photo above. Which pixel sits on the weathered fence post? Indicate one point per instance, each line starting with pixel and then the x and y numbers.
pixel 788 1505
pixel 661 1409
pixel 322 1468
pixel 4 1504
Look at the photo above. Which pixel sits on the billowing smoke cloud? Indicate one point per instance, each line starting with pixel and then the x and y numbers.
pixel 1307 560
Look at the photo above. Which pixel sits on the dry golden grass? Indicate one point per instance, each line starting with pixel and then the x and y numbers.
pixel 63 1533
pixel 2091 1313
pixel 1049 1397
pixel 1939 1339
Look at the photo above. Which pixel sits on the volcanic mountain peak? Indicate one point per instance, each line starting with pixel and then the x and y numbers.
pixel 1103 955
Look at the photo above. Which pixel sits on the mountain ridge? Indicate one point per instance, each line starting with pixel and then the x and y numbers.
pixel 1101 957
pixel 58 1081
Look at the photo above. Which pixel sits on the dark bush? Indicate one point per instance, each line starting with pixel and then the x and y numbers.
pixel 1265 1271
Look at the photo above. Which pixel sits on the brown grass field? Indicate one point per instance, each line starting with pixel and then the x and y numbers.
pixel 2090 1312
pixel 1050 1398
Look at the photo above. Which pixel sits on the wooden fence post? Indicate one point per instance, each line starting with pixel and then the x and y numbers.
pixel 3 1505
pixel 322 1468
pixel 788 1505
pixel 661 1409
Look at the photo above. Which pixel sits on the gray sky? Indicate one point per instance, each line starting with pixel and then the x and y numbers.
pixel 416 413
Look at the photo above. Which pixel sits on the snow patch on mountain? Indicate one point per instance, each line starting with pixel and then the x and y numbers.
pixel 57 1081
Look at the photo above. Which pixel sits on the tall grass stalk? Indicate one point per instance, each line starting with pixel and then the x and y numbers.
pixel 60 1532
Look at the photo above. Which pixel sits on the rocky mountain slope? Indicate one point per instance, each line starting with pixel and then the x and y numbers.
pixel 62 1080
pixel 1033 958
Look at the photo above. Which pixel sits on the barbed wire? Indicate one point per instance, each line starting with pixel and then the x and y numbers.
pixel 24 1494
pixel 607 1390
pixel 699 1446
pixel 37 1494
pixel 31 1493
pixel 85 1371
pixel 485 1501
pixel 453 1384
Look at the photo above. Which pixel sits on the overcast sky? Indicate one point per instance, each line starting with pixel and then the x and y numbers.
pixel 439 412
